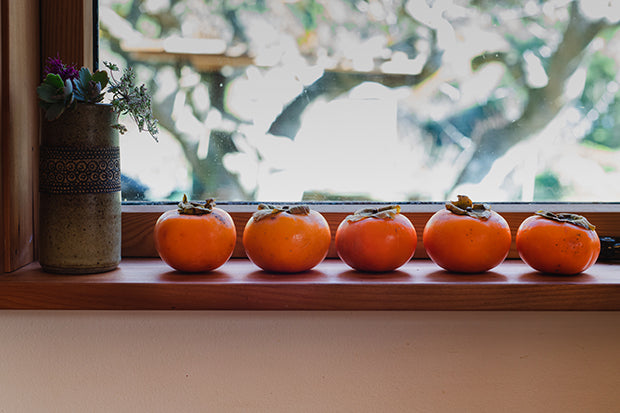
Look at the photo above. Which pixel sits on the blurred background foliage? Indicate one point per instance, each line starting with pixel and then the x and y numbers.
pixel 386 100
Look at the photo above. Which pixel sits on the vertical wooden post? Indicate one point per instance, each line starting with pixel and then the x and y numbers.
pixel 2 150
pixel 67 31
pixel 19 130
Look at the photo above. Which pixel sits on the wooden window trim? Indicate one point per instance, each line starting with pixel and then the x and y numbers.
pixel 2 140
pixel 147 283
pixel 138 221
pixel 19 67
pixel 66 30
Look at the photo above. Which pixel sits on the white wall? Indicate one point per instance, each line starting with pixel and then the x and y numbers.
pixel 309 361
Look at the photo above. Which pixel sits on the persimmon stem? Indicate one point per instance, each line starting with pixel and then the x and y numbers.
pixel 464 206
pixel 186 207
pixel 386 212
pixel 574 219
pixel 266 210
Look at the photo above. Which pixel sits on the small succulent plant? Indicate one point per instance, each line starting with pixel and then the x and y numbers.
pixel 89 87
pixel 55 95
pixel 63 86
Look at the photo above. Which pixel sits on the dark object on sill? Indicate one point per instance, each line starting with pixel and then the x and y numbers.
pixel 610 249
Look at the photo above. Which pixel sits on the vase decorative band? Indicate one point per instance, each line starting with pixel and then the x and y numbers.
pixel 66 170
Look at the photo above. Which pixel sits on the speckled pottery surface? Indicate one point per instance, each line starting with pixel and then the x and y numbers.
pixel 79 188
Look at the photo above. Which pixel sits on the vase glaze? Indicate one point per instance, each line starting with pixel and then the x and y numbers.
pixel 80 192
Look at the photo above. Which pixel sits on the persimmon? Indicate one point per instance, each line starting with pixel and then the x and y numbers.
pixel 376 240
pixel 467 237
pixel 286 239
pixel 195 237
pixel 558 243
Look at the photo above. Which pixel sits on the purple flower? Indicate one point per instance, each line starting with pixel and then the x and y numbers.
pixel 56 66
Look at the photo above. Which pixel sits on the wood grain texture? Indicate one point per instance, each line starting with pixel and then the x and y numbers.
pixel 3 103
pixel 20 126
pixel 138 229
pixel 67 31
pixel 149 284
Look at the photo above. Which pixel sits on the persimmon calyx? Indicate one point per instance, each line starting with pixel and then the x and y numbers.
pixel 574 219
pixel 386 212
pixel 186 207
pixel 464 206
pixel 266 210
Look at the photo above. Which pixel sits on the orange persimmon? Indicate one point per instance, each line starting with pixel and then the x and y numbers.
pixel 558 243
pixel 376 240
pixel 286 239
pixel 195 237
pixel 467 237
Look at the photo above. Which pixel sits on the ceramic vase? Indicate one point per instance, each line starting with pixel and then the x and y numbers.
pixel 79 188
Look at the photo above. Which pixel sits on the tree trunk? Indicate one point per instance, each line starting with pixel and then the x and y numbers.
pixel 543 104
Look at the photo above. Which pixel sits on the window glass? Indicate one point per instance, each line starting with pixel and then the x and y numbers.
pixel 383 100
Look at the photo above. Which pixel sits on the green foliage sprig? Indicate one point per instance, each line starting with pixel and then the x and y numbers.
pixel 135 101
pixel 64 85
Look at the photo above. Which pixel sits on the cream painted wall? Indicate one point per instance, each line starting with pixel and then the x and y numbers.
pixel 309 361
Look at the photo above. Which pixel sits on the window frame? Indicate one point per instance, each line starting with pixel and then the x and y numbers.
pixel 66 28
pixel 138 220
pixel 19 66
pixel 148 284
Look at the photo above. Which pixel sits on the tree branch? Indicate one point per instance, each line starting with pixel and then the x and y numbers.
pixel 543 104
pixel 333 84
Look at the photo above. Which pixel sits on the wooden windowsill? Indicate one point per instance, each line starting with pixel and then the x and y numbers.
pixel 149 284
